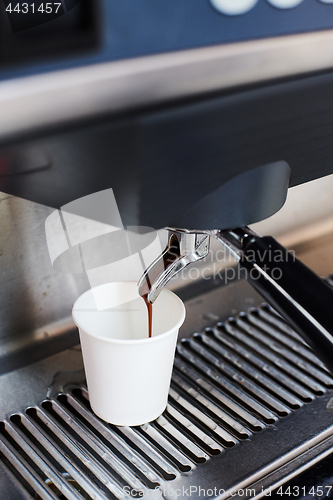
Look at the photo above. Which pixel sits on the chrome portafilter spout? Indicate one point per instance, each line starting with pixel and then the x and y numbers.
pixel 183 248
pixel 296 292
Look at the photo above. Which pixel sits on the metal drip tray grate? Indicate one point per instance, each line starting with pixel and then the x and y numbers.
pixel 247 409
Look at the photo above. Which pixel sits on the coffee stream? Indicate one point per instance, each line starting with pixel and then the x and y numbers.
pixel 150 314
pixel 170 254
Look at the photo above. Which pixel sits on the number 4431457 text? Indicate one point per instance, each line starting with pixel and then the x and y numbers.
pixel 25 8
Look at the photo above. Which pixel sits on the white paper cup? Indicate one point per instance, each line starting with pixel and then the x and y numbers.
pixel 128 374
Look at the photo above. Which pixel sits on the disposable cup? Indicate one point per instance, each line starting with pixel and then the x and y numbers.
pixel 128 374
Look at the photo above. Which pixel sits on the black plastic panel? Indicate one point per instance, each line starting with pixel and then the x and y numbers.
pixel 162 164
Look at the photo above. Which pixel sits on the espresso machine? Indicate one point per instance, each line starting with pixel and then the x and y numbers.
pixel 199 115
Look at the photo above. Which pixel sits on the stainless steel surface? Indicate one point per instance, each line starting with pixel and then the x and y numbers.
pixel 29 385
pixel 32 103
pixel 240 415
pixel 36 300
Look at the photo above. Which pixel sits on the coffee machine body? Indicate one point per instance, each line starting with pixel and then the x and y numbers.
pixel 199 115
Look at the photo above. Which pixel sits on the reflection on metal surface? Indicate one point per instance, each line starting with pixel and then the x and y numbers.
pixel 245 388
pixel 32 103
pixel 35 317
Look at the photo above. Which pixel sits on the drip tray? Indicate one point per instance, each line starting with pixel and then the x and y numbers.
pixel 249 408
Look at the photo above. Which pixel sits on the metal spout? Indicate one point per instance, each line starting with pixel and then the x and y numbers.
pixel 183 248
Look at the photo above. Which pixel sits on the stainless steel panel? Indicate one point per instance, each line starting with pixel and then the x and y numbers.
pixel 53 99
pixel 36 300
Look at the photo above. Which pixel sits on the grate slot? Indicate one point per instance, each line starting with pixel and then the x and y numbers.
pixel 21 485
pixel 272 317
pixel 257 375
pixel 228 403
pixel 274 352
pixel 42 462
pixel 176 435
pixel 26 471
pixel 303 356
pixel 208 422
pixel 239 378
pixel 168 447
pixel 266 414
pixel 226 419
pixel 109 435
pixel 261 364
pixel 99 448
pixel 139 442
pixel 266 312
pixel 188 425
pixel 165 445
pixel 67 462
pixel 146 447
pixel 256 315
